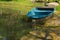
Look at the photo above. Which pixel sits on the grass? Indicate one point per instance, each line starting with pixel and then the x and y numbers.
pixel 58 8
pixel 23 6
pixel 12 19
pixel 11 16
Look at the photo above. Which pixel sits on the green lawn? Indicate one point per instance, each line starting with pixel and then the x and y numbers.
pixel 23 6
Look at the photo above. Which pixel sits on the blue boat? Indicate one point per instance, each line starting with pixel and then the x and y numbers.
pixel 40 12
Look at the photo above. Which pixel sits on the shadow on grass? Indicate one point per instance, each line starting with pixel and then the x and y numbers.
pixel 12 24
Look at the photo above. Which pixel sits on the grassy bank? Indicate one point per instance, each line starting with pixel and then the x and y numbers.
pixel 11 16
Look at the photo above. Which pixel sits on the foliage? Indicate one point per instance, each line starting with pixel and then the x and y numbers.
pixel 5 0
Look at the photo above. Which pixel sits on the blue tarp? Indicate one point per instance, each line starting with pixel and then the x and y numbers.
pixel 40 12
